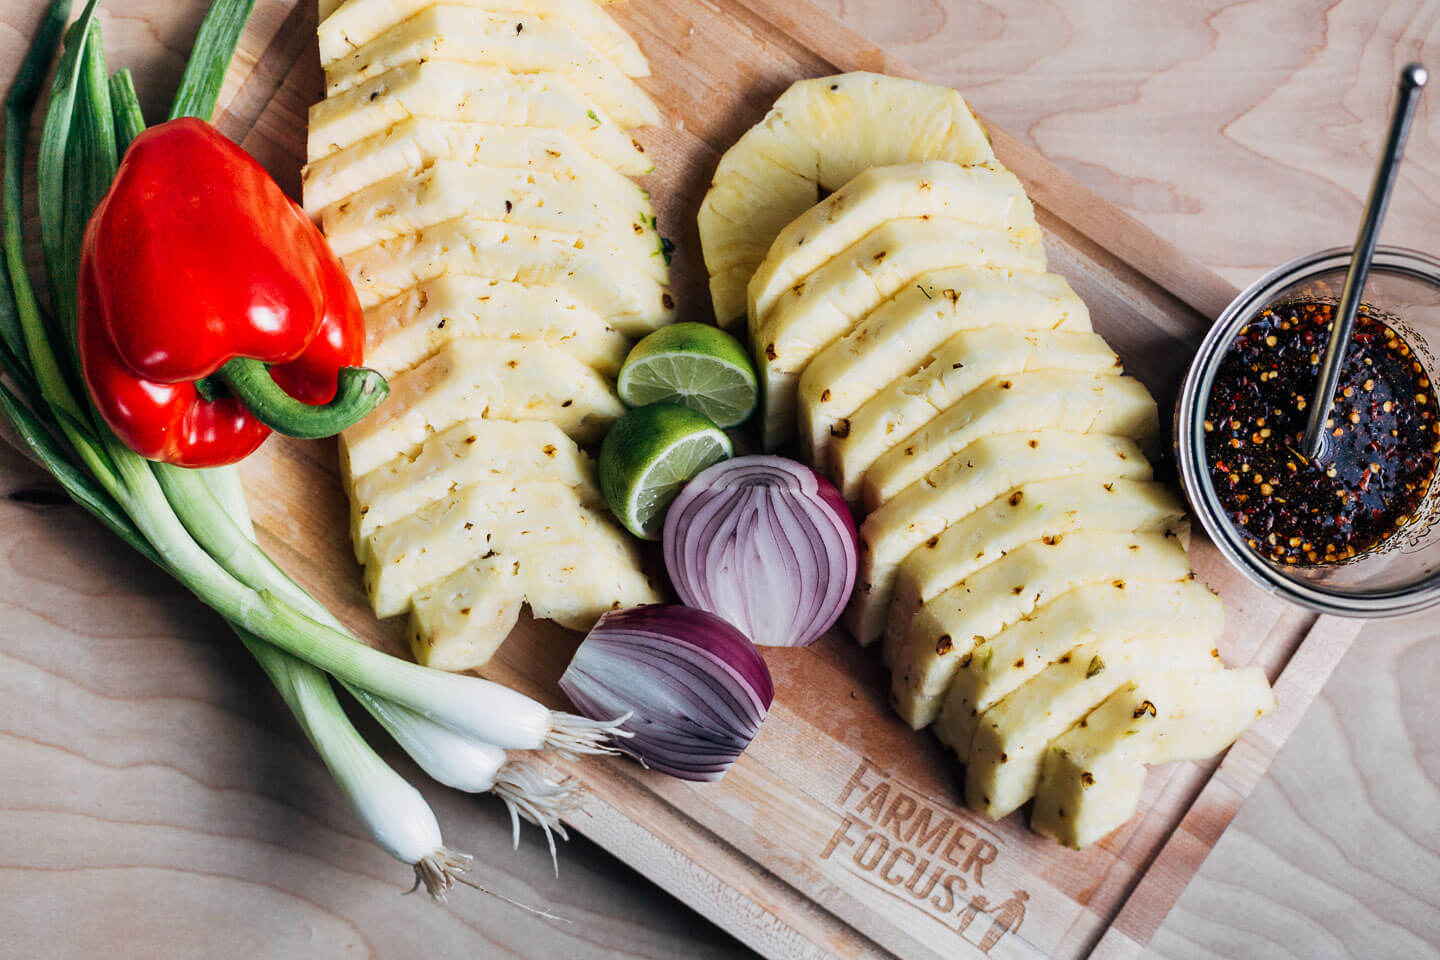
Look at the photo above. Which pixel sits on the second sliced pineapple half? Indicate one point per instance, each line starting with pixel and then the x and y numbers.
pixel 471 168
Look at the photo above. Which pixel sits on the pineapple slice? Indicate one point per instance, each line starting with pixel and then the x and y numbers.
pixel 1067 400
pixel 470 452
pixel 985 195
pixel 819 134
pixel 961 485
pixel 415 144
pixel 1092 775
pixel 503 518
pixel 357 22
pixel 1008 749
pixel 952 371
pixel 491 379
pixel 412 200
pixel 519 42
pixel 625 296
pixel 459 622
pixel 829 302
pixel 470 93
pixel 899 336
pixel 1122 609
pixel 405 331
pixel 1047 510
pixel 979 607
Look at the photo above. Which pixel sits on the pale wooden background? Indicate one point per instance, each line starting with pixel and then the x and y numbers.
pixel 154 798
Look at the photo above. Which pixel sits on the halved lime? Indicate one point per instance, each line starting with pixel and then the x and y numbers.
pixel 695 365
pixel 648 455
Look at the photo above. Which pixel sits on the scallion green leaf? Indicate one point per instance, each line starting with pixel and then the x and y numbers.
pixel 129 118
pixel 210 58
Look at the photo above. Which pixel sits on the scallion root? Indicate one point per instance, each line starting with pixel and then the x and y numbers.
pixel 543 802
pixel 440 871
pixel 572 735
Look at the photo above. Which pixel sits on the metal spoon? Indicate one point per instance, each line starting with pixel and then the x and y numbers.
pixel 1412 79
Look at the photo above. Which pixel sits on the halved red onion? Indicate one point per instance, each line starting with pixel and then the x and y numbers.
pixel 695 688
pixel 766 543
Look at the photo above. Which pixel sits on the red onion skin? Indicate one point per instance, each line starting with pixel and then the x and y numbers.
pixel 701 528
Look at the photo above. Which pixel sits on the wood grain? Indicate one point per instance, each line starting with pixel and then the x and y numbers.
pixel 212 802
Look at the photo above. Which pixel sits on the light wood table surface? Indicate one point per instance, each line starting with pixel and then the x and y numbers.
pixel 156 800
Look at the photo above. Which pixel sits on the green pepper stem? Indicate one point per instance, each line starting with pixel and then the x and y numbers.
pixel 359 391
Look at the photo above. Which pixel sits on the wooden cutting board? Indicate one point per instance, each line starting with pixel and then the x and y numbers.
pixel 839 833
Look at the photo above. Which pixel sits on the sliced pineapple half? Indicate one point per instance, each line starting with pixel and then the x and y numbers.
pixel 1118 609
pixel 947 626
pixel 898 337
pixel 470 93
pixel 408 329
pixel 983 194
pixel 961 485
pixel 415 144
pixel 410 201
pixel 819 135
pixel 518 42
pixel 828 303
pixel 357 22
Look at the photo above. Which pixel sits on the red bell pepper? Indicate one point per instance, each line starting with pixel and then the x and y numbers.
pixel 211 310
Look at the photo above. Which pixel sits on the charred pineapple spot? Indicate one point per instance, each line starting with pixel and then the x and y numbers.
pixel 548 449
pixel 841 429
pixel 469 525
pixel 1004 757
pixel 1006 384
pixel 1050 539
pixel 1118 584
pixel 639 147
pixel 1018 589
pixel 464 611
pixel 1015 498
pixel 441 324
pixel 1097 667
pixel 1215 652
pixel 909 451
pixel 1087 778
pixel 1020 664
pixel 568 403
pixel 933 542
pixel 770 353
pixel 951 295
pixel 667 301
pixel 880 257
pixel 825 396
pixel 509 206
pixel 1034 444
pixel 943 645
pixel 1143 709
pixel 1109 488
pixel 965 660
pixel 639 228
pixel 512 364
pixel 1065 659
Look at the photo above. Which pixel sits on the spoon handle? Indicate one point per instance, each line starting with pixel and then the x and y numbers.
pixel 1412 79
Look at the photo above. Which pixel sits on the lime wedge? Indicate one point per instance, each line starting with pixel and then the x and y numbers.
pixel 695 365
pixel 648 455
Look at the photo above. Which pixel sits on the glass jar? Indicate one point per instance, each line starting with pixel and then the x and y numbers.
pixel 1402 573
